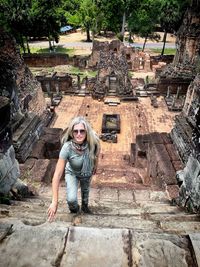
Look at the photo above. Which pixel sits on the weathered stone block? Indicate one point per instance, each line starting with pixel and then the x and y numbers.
pixel 166 138
pixel 160 167
pixel 9 170
pixel 50 171
pixel 178 165
pixel 190 189
pixel 172 152
pixel 52 142
pixel 38 172
pixel 38 151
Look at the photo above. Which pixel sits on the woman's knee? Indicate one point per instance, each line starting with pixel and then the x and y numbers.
pixel 71 199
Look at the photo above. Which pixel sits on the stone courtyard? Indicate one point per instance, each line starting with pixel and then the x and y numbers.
pixel 136 118
pixel 144 196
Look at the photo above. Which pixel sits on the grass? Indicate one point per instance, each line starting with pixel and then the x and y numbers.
pixel 82 73
pixel 130 73
pixel 37 71
pixel 168 51
pixel 70 69
pixel 58 49
pixel 76 70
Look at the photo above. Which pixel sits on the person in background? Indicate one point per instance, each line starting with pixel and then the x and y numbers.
pixel 78 157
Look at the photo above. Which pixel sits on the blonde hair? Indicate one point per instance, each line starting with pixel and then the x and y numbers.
pixel 91 137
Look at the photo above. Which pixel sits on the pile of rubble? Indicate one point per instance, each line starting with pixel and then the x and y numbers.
pixel 109 137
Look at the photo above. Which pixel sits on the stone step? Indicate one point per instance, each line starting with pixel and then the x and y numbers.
pixel 101 208
pixel 137 222
pixel 113 90
pixel 61 244
pixel 145 216
pixel 81 94
pixel 111 94
pixel 143 210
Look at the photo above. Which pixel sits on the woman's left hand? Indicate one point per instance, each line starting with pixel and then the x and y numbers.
pixel 52 211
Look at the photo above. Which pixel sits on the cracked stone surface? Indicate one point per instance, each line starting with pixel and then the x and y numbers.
pixel 140 229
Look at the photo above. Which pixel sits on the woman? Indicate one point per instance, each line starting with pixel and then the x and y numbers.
pixel 78 157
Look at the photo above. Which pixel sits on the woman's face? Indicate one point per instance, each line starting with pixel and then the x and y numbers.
pixel 79 133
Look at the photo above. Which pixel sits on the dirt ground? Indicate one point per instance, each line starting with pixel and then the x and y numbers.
pixel 80 36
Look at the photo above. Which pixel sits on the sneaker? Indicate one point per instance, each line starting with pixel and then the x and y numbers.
pixel 75 210
pixel 85 209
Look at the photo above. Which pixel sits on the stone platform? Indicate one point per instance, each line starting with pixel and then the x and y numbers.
pixel 128 228
pixel 135 118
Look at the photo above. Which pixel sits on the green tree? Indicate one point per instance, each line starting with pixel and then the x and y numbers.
pixel 144 20
pixel 85 17
pixel 171 15
pixel 32 18
pixel 112 14
pixel 68 8
pixel 128 6
pixel 15 18
pixel 46 18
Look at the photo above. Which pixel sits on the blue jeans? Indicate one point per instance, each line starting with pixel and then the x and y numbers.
pixel 72 183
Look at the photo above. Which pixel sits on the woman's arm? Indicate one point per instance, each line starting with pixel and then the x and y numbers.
pixel 60 166
pixel 96 159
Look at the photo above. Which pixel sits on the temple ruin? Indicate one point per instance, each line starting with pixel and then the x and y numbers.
pixel 29 113
pixel 145 194
pixel 112 78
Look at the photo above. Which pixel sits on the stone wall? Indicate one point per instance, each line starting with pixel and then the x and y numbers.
pixel 21 120
pixel 48 60
pixel 186 132
pixel 192 98
pixel 56 82
pixel 156 153
pixel 131 54
pixel 184 67
pixel 186 137
pixel 54 59
pixel 97 48
pixel 17 81
pixel 188 37
pixel 176 76
pixel 40 165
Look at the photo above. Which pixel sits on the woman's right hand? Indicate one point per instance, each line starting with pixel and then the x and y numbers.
pixel 52 211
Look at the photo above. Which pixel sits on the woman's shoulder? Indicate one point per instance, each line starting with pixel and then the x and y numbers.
pixel 67 145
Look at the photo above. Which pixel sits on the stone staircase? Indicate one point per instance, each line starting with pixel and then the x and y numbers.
pixel 127 228
pixel 112 88
pixel 82 91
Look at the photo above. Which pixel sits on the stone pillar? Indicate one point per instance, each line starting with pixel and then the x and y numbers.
pixel 57 87
pixel 168 91
pixel 79 81
pixel 141 63
pixel 86 81
pixel 48 87
pixel 173 102
pixel 147 64
pixel 177 92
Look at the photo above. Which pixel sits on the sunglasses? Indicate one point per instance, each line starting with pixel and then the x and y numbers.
pixel 81 131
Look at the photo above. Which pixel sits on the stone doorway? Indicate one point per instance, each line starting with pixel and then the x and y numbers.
pixel 113 85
